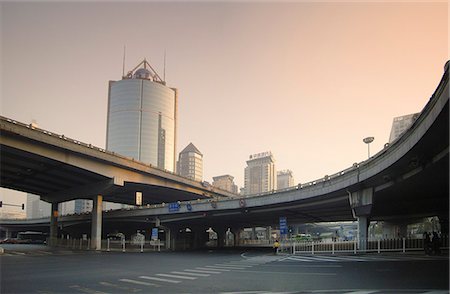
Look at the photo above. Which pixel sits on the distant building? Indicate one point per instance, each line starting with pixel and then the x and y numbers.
pixel 142 118
pixel 225 182
pixel 260 174
pixel 401 124
pixel 285 179
pixel 190 163
pixel 35 208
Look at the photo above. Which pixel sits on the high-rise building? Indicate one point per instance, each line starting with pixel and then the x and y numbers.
pixel 36 208
pixel 190 163
pixel 260 174
pixel 225 182
pixel 400 124
pixel 142 117
pixel 285 179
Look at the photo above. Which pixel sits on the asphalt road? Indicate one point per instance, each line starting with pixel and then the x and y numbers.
pixel 37 269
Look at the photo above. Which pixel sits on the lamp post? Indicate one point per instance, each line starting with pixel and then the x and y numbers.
pixel 368 140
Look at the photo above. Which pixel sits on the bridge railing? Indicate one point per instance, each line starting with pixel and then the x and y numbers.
pixel 110 245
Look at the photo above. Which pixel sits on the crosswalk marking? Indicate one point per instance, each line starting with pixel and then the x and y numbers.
pixel 217 268
pixel 233 265
pixel 138 282
pixel 229 266
pixel 191 274
pixel 177 276
pixel 202 271
pixel 86 290
pixel 360 292
pixel 159 279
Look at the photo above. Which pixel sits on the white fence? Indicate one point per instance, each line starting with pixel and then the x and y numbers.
pixel 120 245
pixel 371 245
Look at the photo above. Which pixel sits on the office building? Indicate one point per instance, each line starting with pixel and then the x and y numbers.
pixel 225 182
pixel 190 163
pixel 260 174
pixel 142 118
pixel 36 208
pixel 401 124
pixel 285 179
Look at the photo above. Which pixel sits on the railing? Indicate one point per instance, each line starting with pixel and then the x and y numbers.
pixel 372 245
pixel 112 245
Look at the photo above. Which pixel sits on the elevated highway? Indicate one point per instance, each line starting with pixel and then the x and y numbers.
pixel 408 179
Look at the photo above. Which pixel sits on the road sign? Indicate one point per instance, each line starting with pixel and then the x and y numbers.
pixel 173 207
pixel 283 226
pixel 155 234
pixel 189 207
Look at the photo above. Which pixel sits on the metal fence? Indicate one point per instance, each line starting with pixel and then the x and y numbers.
pixel 372 245
pixel 120 245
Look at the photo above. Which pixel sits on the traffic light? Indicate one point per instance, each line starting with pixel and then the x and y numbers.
pixel 23 206
pixel 1 203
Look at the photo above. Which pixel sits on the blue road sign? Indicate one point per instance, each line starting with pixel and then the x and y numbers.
pixel 189 207
pixel 174 207
pixel 155 234
pixel 283 226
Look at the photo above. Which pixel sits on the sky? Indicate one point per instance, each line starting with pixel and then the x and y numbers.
pixel 305 80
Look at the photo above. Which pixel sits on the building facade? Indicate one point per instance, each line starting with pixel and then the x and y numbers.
pixel 260 174
pixel 285 179
pixel 225 182
pixel 190 163
pixel 36 208
pixel 142 118
pixel 400 124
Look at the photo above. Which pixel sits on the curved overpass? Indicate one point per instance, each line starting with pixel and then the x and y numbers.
pixel 407 179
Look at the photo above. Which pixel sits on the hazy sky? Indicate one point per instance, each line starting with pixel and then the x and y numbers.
pixel 306 80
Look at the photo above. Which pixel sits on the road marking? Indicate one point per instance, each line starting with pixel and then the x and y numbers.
pixel 212 269
pixel 86 290
pixel 206 271
pixel 239 264
pixel 138 282
pixel 217 268
pixel 159 279
pixel 229 266
pixel 289 273
pixel 44 252
pixel 127 289
pixel 361 292
pixel 17 252
pixel 177 276
pixel 191 274
pixel 233 265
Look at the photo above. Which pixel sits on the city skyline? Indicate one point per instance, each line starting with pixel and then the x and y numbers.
pixel 309 84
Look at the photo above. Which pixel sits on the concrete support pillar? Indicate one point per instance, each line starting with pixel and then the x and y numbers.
pixel 53 225
pixel 236 236
pixel 168 239
pixel 8 234
pixel 361 203
pixel 96 225
pixel 220 236
pixel 363 225
pixel 254 236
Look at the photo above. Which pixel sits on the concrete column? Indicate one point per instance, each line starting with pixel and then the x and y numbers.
pixel 253 234
pixel 236 236
pixel 220 236
pixel 53 224
pixel 96 225
pixel 168 239
pixel 363 225
pixel 444 222
pixel 8 234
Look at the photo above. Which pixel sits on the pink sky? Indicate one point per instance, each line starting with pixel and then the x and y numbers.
pixel 307 81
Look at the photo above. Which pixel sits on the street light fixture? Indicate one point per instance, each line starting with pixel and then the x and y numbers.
pixel 368 140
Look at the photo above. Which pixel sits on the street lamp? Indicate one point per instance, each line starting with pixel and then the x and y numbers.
pixel 368 140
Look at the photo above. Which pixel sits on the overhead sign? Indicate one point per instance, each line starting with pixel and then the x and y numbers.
pixel 189 207
pixel 155 234
pixel 283 226
pixel 173 207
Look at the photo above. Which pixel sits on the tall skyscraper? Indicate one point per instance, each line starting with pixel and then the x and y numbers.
pixel 285 179
pixel 260 174
pixel 142 117
pixel 400 124
pixel 225 182
pixel 190 163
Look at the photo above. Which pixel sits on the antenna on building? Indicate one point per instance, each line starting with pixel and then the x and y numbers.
pixel 164 74
pixel 123 63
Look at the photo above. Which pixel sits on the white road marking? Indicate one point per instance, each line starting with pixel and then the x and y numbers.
pixel 206 271
pixel 138 282
pixel 218 268
pixel 208 268
pixel 127 289
pixel 191 274
pixel 17 252
pixel 159 279
pixel 229 266
pixel 177 276
pixel 362 292
pixel 86 290
pixel 233 265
